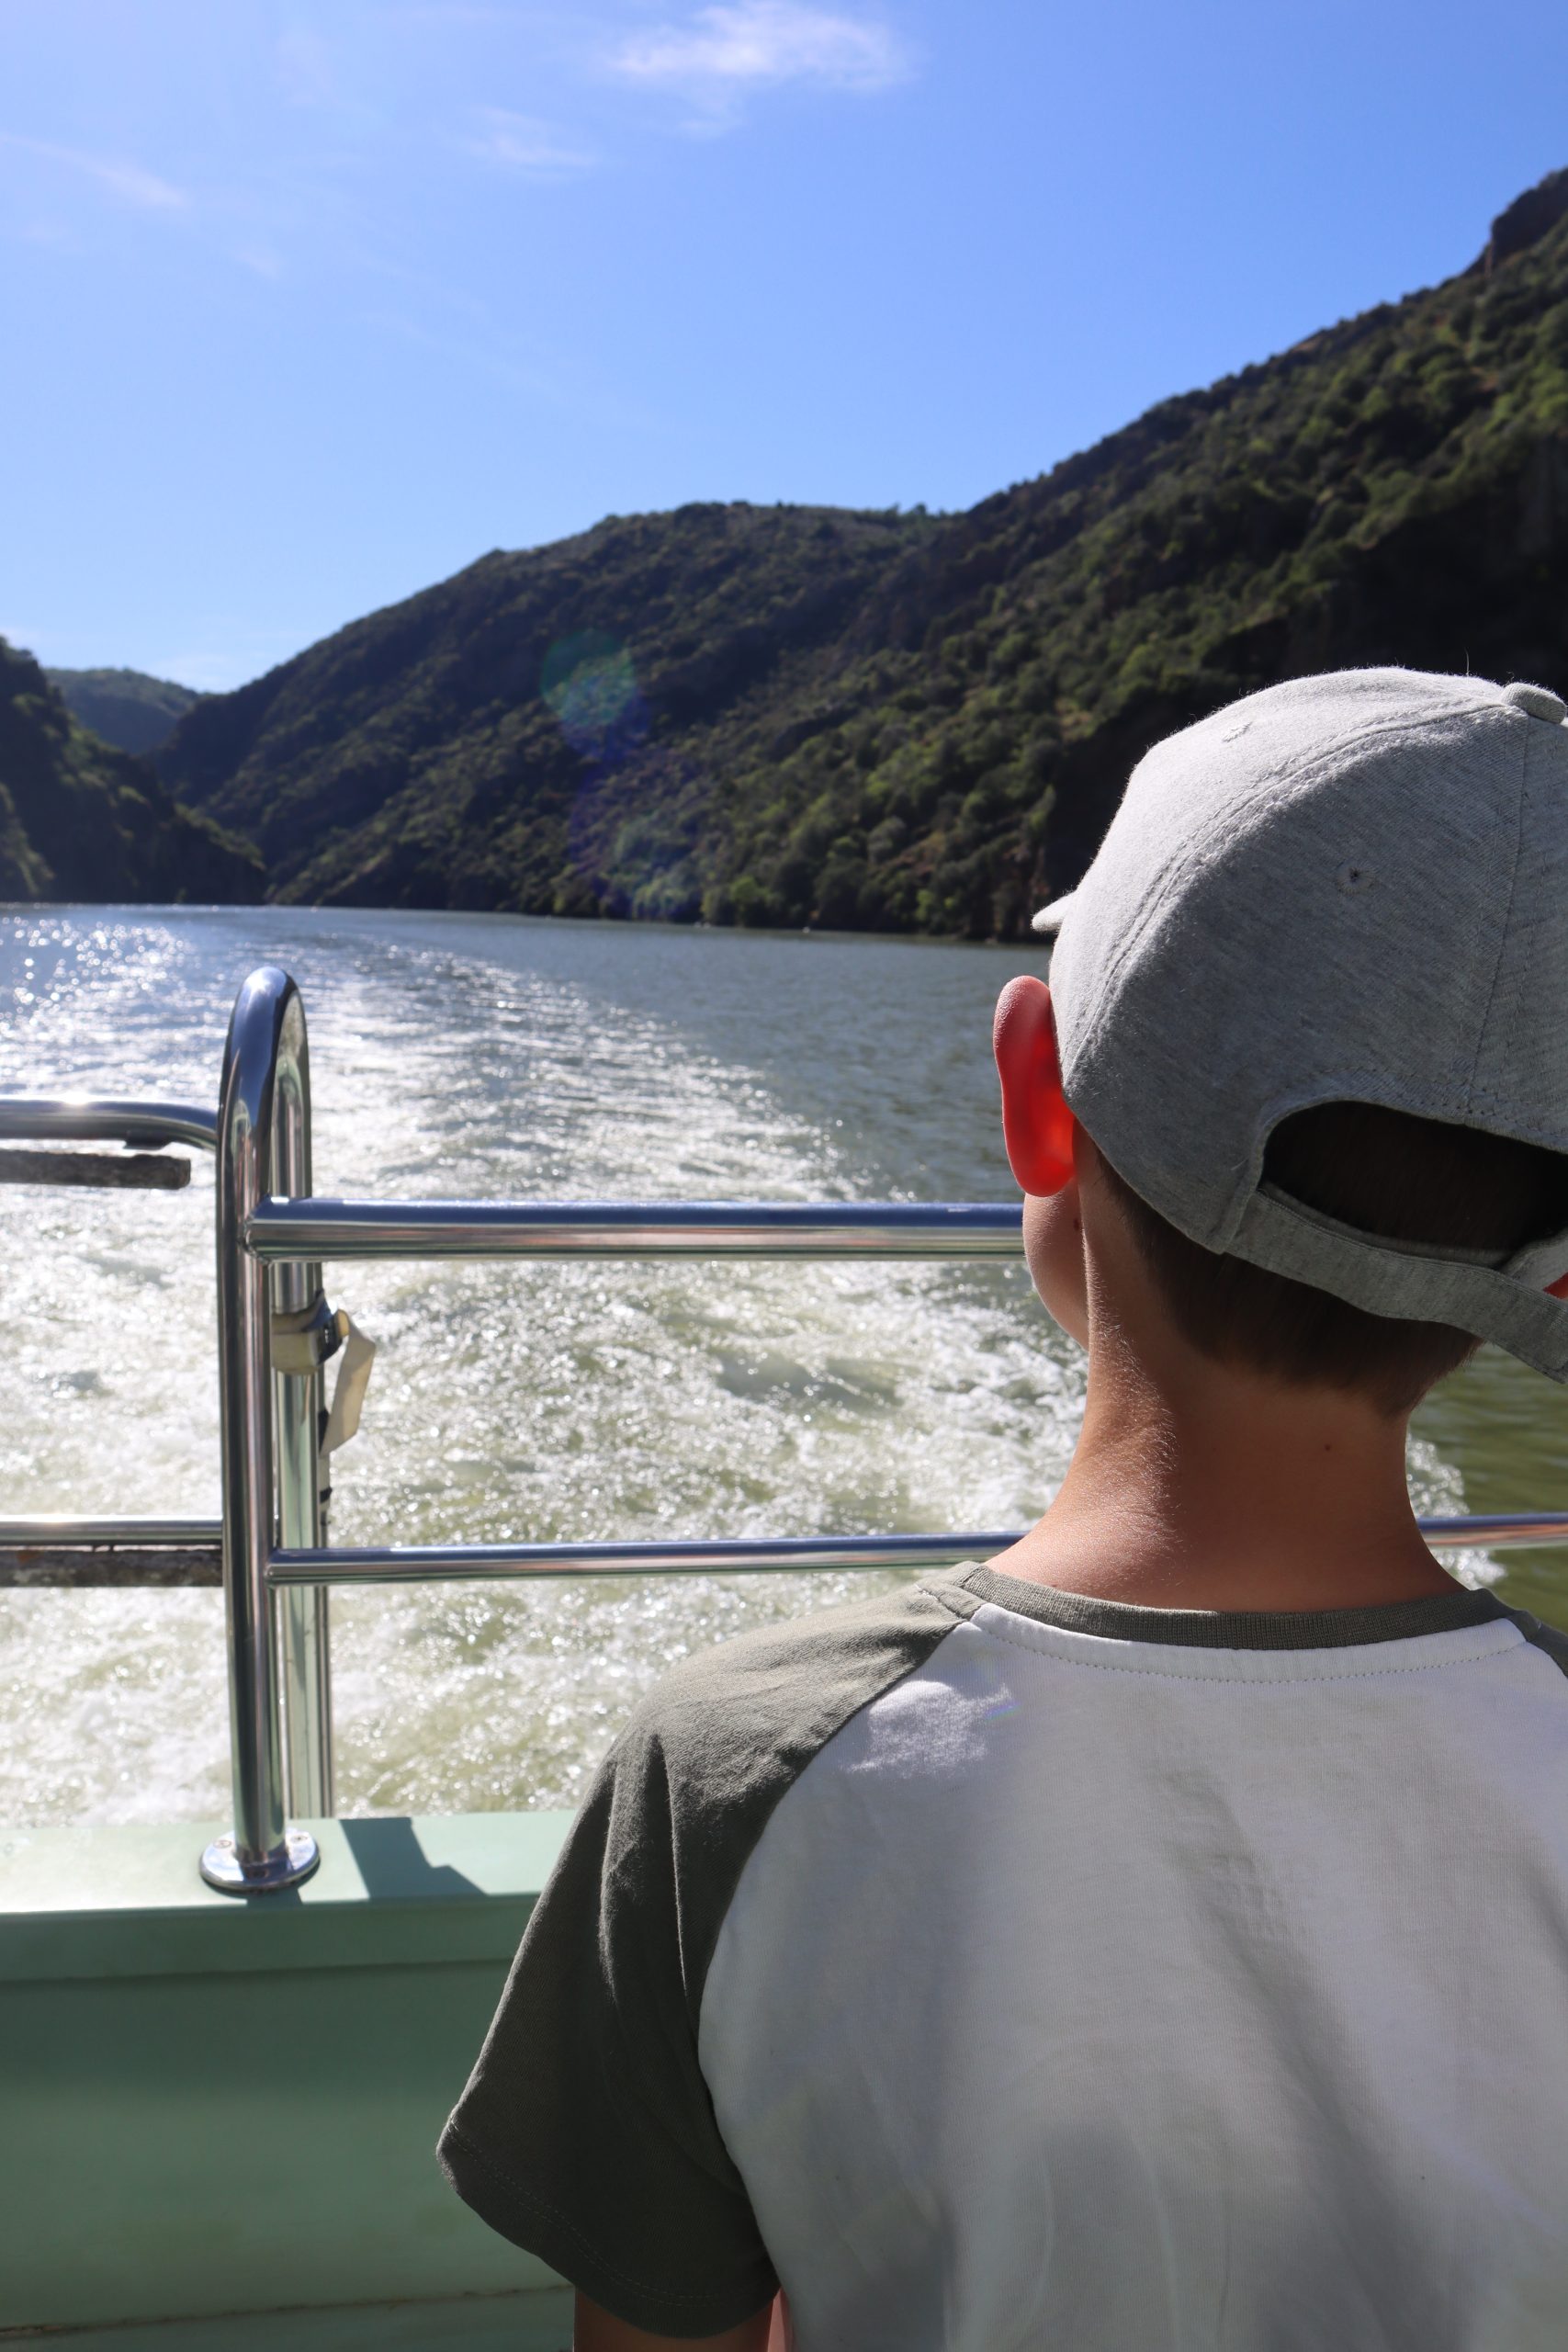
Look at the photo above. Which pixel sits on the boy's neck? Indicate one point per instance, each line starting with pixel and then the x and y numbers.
pixel 1197 1485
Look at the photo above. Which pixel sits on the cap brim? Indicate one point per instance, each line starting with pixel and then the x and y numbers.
pixel 1049 918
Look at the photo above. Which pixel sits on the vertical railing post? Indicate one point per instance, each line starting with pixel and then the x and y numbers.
pixel 304 1633
pixel 265 1035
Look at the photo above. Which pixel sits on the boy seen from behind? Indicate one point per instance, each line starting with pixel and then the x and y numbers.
pixel 1157 1936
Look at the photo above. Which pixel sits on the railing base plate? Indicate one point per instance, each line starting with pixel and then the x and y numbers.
pixel 294 1860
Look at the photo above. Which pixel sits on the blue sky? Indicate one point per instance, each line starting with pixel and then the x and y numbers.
pixel 303 308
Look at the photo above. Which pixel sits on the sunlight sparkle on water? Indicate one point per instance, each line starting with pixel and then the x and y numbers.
pixel 484 1056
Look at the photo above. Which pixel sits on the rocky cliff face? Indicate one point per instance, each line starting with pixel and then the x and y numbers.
pixel 1524 222
pixel 79 821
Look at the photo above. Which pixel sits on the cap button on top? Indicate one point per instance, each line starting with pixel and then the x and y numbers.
pixel 1540 701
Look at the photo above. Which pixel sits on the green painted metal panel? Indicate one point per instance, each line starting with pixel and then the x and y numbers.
pixel 531 2323
pixel 130 1900
pixel 222 2107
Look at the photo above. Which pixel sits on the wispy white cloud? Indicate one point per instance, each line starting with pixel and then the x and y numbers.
pixel 127 183
pixel 305 68
pixel 723 51
pixel 522 143
pixel 546 375
pixel 484 356
pixel 55 236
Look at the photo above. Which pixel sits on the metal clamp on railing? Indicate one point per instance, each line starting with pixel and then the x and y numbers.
pixel 303 1340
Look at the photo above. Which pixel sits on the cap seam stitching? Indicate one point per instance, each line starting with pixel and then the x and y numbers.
pixel 1507 924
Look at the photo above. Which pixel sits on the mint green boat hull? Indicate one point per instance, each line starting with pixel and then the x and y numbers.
pixel 219 2109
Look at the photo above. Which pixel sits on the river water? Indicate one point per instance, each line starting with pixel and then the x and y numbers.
pixel 485 1055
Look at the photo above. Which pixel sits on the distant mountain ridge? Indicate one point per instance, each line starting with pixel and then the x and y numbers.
pixel 804 716
pixel 125 707
pixel 507 737
pixel 79 820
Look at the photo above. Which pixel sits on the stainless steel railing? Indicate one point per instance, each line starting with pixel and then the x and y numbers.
pixel 271 1235
pixel 278 1231
pixel 60 1529
pixel 441 1563
pixel 261 1134
pixel 143 1126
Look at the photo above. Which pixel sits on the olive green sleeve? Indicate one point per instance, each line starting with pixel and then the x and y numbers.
pixel 587 2133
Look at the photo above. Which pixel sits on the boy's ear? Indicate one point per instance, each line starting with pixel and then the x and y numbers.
pixel 1036 1121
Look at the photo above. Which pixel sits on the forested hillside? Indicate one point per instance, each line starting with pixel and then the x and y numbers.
pixel 79 821
pixel 788 716
pixel 125 707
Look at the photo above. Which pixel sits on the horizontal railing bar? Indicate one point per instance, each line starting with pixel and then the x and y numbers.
pixel 27 1118
pixel 340 1229
pixel 20 1534
pixel 443 1562
pixel 1496 1531
pixel 188 1552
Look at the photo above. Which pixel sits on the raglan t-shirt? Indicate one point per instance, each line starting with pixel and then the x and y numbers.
pixel 994 1967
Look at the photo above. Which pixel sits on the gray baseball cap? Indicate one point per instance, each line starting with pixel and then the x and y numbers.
pixel 1351 888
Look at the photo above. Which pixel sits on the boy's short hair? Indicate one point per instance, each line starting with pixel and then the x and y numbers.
pixel 1405 1179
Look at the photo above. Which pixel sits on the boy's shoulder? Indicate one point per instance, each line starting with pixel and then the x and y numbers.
pixel 730 1727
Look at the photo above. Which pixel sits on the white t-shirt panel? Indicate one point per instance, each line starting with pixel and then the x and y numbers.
pixel 1088 1993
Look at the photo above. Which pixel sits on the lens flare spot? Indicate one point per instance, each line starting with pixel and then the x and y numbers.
pixel 591 685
